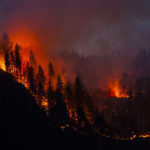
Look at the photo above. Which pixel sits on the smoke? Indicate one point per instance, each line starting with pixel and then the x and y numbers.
pixel 98 71
pixel 90 27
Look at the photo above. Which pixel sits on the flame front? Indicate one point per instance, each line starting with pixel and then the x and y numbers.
pixel 116 91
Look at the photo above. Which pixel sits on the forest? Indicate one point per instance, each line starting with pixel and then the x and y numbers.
pixel 120 111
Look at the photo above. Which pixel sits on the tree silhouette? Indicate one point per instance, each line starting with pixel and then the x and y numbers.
pixel 68 91
pixel 80 97
pixel 17 59
pixel 89 107
pixel 50 96
pixel 6 46
pixel 31 80
pixel 59 112
pixel 12 62
pixel 79 92
pixel 7 61
pixel 40 78
pixel 32 60
pixel 69 97
pixel 51 71
pixel 83 123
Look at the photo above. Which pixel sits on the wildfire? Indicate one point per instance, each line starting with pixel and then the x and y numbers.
pixel 2 64
pixel 117 92
pixel 26 39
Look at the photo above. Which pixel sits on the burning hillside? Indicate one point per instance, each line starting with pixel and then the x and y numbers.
pixel 70 104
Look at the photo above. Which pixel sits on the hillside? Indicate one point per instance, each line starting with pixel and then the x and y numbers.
pixel 25 126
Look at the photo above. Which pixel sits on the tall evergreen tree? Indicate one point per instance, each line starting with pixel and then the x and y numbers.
pixel 82 120
pixel 80 97
pixel 6 46
pixel 40 78
pixel 68 91
pixel 31 80
pixel 26 71
pixel 51 71
pixel 60 113
pixel 12 62
pixel 69 97
pixel 32 60
pixel 89 107
pixel 79 91
pixel 17 58
pixel 59 85
pixel 50 96
pixel 7 61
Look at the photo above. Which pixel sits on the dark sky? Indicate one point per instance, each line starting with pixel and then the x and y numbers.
pixel 89 26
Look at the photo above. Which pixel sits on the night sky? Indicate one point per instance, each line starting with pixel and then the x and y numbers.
pixel 89 26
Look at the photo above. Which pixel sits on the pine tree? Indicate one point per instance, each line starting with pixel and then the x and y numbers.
pixel 69 96
pixel 31 80
pixel 83 123
pixel 80 97
pixel 51 71
pixel 6 46
pixel 89 107
pixel 68 91
pixel 7 61
pixel 79 91
pixel 59 85
pixel 17 59
pixel 59 112
pixel 26 72
pixel 12 62
pixel 40 79
pixel 32 60
pixel 50 96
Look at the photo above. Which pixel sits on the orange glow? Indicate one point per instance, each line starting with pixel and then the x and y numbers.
pixel 116 91
pixel 145 136
pixel 30 40
pixel 26 39
pixel 2 65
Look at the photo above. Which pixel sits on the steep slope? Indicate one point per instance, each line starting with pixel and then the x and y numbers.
pixel 22 122
pixel 24 126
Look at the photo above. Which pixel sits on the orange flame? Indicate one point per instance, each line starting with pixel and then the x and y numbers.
pixel 116 91
pixel 2 64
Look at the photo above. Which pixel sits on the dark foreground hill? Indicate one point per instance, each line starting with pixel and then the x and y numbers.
pixel 24 126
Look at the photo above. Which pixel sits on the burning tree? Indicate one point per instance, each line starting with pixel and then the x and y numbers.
pixel 40 79
pixel 17 60
pixel 6 47
pixel 31 80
